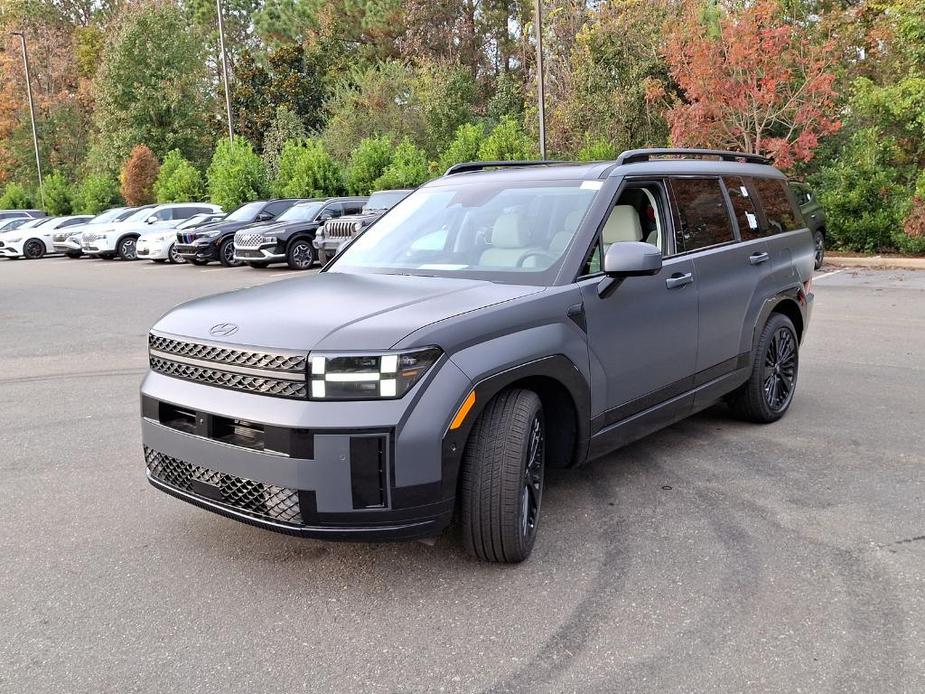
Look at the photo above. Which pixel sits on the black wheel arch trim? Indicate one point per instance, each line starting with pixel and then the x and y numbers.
pixel 558 368
pixel 793 298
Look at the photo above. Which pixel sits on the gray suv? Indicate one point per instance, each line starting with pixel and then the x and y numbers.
pixel 501 319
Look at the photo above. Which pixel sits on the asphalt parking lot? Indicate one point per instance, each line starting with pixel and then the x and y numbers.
pixel 714 556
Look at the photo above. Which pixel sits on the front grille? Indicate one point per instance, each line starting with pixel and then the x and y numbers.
pixel 256 499
pixel 227 379
pixel 228 356
pixel 249 240
pixel 339 229
pixel 257 255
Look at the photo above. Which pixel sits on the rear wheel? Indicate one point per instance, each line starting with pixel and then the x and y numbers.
pixel 33 249
pixel 226 254
pixel 502 478
pixel 819 242
pixel 126 249
pixel 301 254
pixel 767 394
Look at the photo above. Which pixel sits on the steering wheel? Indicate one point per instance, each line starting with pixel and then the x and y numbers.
pixel 530 254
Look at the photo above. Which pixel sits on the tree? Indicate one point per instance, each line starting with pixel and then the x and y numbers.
pixel 178 180
pixel 408 168
pixel 286 126
pixel 597 150
pixel 15 197
pixel 508 142
pixel 57 194
pixel 152 86
pixel 236 174
pixel 755 83
pixel 367 164
pixel 911 238
pixel 138 176
pixel 464 147
pixel 306 170
pixel 96 193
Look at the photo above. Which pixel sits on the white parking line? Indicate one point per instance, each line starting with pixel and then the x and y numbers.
pixel 828 274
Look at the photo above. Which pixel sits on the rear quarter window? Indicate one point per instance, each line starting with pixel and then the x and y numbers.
pixel 742 197
pixel 780 215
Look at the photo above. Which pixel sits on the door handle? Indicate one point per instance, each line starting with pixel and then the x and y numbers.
pixel 679 280
pixel 758 258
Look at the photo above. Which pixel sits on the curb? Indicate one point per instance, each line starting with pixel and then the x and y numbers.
pixel 877 263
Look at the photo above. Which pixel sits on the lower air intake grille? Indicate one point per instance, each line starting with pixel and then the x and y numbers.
pixel 263 501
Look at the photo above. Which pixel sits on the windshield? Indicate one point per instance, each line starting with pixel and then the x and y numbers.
pixel 385 200
pixel 141 214
pixel 516 232
pixel 300 213
pixel 245 212
pixel 110 215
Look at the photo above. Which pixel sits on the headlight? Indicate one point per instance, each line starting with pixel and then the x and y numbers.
pixel 358 226
pixel 368 376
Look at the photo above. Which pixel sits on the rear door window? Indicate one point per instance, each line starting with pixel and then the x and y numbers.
pixel 779 212
pixel 741 195
pixel 701 217
pixel 278 207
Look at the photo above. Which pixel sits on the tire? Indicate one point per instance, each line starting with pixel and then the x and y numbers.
pixel 819 242
pixel 259 264
pixel 322 256
pixel 301 254
pixel 767 394
pixel 226 254
pixel 199 261
pixel 126 248
pixel 33 249
pixel 173 257
pixel 501 484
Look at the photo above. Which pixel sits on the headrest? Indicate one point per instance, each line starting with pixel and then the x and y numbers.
pixel 622 225
pixel 508 232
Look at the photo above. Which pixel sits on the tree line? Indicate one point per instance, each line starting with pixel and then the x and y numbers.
pixel 348 96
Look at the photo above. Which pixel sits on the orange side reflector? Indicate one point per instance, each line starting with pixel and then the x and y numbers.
pixel 463 411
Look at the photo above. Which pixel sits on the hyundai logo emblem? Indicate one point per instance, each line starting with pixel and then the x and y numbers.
pixel 223 329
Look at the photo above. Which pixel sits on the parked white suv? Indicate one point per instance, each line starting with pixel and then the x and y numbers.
pixel 34 239
pixel 120 238
pixel 161 245
pixel 67 240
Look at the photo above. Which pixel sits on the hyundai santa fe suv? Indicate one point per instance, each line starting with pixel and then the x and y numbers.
pixel 501 319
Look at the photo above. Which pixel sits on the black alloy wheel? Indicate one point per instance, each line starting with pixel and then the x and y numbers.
pixel 226 254
pixel 33 249
pixel 780 369
pixel 127 248
pixel 532 493
pixel 301 254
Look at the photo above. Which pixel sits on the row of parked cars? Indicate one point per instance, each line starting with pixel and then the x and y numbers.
pixel 298 232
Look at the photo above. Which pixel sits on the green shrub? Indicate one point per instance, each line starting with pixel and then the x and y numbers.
pixel 96 193
pixel 236 174
pixel 862 193
pixel 508 142
pixel 15 197
pixel 57 194
pixel 464 147
pixel 408 169
pixel 911 237
pixel 178 180
pixel 306 170
pixel 367 164
pixel 597 150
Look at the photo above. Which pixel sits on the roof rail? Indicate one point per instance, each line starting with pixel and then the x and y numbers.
pixel 480 165
pixel 634 156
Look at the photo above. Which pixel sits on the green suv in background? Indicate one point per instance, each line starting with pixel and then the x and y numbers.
pixel 814 216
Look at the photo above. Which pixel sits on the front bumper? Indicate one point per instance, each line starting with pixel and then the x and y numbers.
pixel 69 245
pixel 154 250
pixel 329 245
pixel 11 250
pixel 200 249
pixel 270 252
pixel 370 471
pixel 102 244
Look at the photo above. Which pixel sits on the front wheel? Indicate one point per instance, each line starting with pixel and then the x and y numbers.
pixel 301 254
pixel 173 256
pixel 126 249
pixel 502 478
pixel 226 254
pixel 819 242
pixel 767 394
pixel 33 249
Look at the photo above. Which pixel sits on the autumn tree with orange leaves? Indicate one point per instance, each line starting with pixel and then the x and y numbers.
pixel 139 173
pixel 751 82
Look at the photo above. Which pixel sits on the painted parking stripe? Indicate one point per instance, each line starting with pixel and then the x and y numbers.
pixel 828 274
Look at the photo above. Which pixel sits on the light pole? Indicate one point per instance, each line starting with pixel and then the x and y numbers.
pixel 540 90
pixel 35 132
pixel 221 41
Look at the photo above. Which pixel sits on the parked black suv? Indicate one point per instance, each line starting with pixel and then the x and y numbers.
pixel 289 239
pixel 216 241
pixel 336 232
pixel 814 216
pixel 500 319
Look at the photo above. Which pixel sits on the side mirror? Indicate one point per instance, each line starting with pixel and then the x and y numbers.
pixel 151 220
pixel 264 216
pixel 628 259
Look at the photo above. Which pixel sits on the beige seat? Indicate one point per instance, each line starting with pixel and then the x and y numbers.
pixel 509 240
pixel 622 225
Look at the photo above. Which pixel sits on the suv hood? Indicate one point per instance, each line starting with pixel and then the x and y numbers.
pixel 281 227
pixel 222 227
pixel 336 311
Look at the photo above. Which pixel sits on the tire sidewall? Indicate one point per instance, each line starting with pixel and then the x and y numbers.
pixel 775 323
pixel 30 244
pixel 290 254
pixel 121 248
